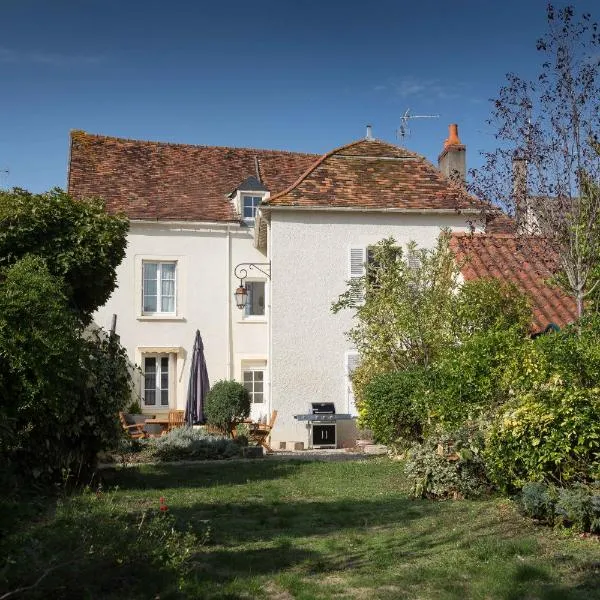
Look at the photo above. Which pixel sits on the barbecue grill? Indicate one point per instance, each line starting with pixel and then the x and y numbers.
pixel 322 421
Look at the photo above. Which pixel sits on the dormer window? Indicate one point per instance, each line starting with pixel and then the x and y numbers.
pixel 247 198
pixel 249 206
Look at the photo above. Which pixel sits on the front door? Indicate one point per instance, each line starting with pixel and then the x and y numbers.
pixel 254 382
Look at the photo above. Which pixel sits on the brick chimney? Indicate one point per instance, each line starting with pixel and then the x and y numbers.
pixel 452 161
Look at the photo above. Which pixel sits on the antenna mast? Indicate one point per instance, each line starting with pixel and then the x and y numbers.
pixel 404 130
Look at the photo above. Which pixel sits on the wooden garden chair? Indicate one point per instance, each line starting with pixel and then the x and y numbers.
pixel 259 432
pixel 176 419
pixel 135 430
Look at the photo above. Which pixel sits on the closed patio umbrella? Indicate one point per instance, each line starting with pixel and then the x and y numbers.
pixel 198 385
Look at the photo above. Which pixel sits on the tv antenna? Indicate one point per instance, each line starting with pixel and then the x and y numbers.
pixel 404 129
pixel 3 174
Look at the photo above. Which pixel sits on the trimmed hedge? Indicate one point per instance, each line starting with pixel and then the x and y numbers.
pixel 226 403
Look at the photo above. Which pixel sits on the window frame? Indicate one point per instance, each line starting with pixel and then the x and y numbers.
pixel 158 405
pixel 255 369
pixel 263 317
pixel 254 195
pixel 159 280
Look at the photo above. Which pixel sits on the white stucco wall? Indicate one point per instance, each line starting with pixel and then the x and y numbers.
pixel 309 265
pixel 206 255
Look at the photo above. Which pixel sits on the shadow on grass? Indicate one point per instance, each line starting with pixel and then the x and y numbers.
pixel 198 475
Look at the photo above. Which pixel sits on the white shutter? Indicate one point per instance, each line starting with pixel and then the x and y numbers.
pixel 352 361
pixel 356 270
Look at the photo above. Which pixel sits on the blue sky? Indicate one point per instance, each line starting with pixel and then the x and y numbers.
pixel 304 75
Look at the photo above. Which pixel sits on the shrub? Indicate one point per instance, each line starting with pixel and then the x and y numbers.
pixel 60 392
pixel 551 434
pixel 538 500
pixel 579 507
pixel 187 443
pixel 464 382
pixel 486 305
pixel 226 403
pixel 448 465
pixel 393 407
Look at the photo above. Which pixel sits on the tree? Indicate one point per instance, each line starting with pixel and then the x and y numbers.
pixel 406 315
pixel 546 170
pixel 414 309
pixel 81 243
pixel 61 385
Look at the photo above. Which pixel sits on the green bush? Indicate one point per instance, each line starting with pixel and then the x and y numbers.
pixel 82 244
pixel 226 403
pixel 487 305
pixel 552 434
pixel 577 506
pixel 393 406
pixel 187 443
pixel 464 381
pixel 448 465
pixel 538 500
pixel 60 391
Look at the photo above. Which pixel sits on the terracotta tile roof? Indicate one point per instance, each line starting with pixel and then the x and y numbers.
pixel 154 180
pixel 374 174
pixel 524 261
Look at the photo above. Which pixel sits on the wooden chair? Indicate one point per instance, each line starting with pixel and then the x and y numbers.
pixel 135 430
pixel 259 432
pixel 176 419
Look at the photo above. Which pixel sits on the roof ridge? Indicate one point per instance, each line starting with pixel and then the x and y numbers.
pixel 74 133
pixel 327 155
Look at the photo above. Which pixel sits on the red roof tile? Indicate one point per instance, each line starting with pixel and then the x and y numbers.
pixel 524 261
pixel 374 174
pixel 154 180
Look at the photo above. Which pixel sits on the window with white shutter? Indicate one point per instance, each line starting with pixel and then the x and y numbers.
pixel 357 261
pixel 352 361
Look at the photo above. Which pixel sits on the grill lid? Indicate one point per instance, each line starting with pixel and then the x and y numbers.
pixel 323 408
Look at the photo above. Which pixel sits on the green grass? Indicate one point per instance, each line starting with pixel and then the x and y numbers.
pixel 282 530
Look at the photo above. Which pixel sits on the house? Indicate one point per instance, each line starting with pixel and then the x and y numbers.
pixel 293 228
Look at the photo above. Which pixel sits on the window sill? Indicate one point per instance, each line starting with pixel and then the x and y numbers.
pixel 160 317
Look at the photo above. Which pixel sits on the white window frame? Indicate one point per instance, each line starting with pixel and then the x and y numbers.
pixel 256 369
pixel 170 380
pixel 250 194
pixel 160 264
pixel 263 317
pixel 349 399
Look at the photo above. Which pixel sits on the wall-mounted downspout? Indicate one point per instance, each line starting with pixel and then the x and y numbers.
pixel 228 326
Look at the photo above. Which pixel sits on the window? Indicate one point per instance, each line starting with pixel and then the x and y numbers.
pixel 249 206
pixel 255 306
pixel 254 382
pixel 156 380
pixel 158 287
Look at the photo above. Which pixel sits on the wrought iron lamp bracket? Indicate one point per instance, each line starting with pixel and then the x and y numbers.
pixel 241 270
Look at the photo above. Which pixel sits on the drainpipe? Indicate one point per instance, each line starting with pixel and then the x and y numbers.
pixel 228 304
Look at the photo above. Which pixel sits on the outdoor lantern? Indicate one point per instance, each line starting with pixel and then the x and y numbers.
pixel 241 296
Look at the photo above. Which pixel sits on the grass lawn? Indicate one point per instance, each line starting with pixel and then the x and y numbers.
pixel 285 529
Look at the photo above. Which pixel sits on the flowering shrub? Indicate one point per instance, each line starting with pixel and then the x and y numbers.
pixel 187 443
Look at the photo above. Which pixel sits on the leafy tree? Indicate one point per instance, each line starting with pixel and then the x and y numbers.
pixel 61 385
pixel 547 131
pixel 82 244
pixel 414 310
pixel 405 319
